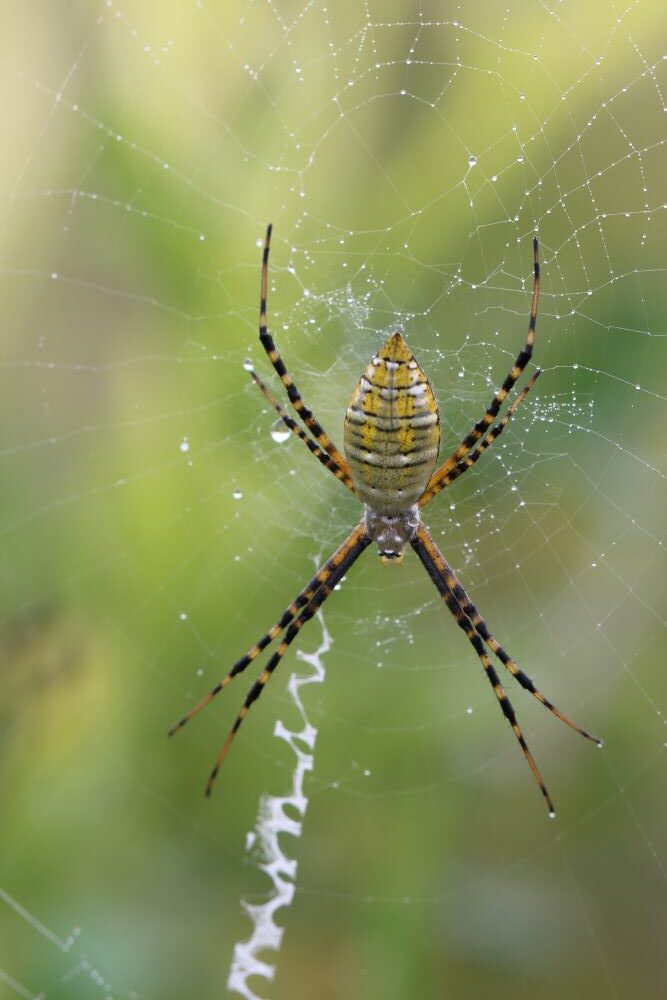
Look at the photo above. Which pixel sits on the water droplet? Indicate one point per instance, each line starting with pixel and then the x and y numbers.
pixel 469 710
pixel 279 432
pixel 183 616
pixel 184 445
pixel 552 814
pixel 247 364
pixel 472 161
pixel 237 494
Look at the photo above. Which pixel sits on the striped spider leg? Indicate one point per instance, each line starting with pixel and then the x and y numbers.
pixel 468 618
pixel 316 591
pixel 391 442
pixel 293 393
pixel 438 479
pixel 339 472
pixel 301 610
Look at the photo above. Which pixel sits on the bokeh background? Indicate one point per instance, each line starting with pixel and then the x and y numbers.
pixel 152 527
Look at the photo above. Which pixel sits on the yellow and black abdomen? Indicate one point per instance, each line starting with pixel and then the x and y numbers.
pixel 392 430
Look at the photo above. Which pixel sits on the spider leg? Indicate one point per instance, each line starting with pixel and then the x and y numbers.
pixel 485 443
pixel 424 545
pixel 295 428
pixel 480 626
pixel 309 591
pixel 345 556
pixel 482 425
pixel 276 360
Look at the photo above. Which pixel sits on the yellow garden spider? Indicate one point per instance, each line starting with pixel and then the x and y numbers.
pixel 391 438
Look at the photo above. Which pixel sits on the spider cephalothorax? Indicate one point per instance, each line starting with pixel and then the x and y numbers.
pixel 392 532
pixel 391 440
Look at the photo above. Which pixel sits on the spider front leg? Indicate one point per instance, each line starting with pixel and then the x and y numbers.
pixel 345 556
pixel 446 573
pixel 303 597
pixel 420 544
pixel 474 626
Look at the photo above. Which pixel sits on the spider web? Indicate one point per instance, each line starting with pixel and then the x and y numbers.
pixel 155 520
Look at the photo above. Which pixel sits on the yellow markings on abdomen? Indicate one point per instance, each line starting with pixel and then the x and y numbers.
pixel 392 430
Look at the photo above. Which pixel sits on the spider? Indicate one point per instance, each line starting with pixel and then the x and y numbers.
pixel 391 439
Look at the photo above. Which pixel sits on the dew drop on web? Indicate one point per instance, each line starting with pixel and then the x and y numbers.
pixel 279 432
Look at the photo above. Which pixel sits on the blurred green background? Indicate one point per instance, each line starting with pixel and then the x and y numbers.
pixel 406 153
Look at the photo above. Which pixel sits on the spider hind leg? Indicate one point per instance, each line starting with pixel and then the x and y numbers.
pixel 439 477
pixel 306 415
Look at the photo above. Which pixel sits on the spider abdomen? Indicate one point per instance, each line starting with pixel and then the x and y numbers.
pixel 392 430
